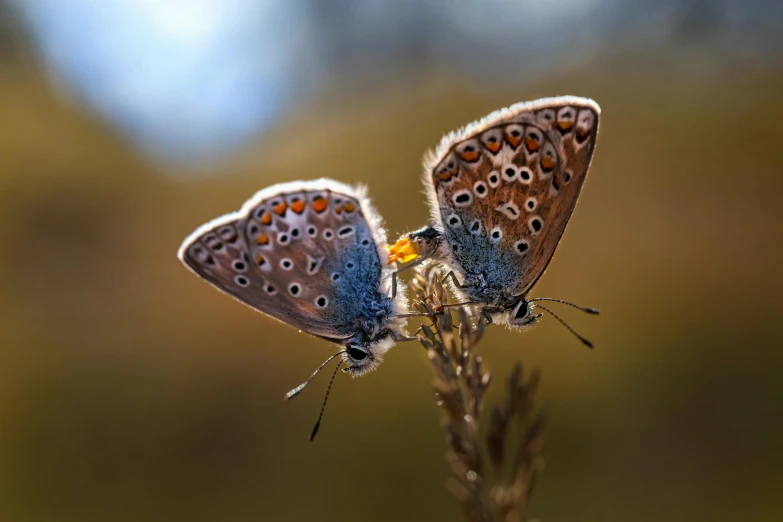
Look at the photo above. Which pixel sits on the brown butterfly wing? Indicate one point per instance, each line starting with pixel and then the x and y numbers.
pixel 306 253
pixel 503 189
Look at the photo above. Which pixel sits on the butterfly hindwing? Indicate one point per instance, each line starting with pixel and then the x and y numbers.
pixel 503 189
pixel 305 253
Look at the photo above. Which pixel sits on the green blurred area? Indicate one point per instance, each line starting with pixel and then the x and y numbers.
pixel 130 390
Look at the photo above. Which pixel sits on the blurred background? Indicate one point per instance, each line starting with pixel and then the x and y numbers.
pixel 130 390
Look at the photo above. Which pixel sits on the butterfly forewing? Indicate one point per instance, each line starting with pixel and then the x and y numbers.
pixel 503 188
pixel 305 253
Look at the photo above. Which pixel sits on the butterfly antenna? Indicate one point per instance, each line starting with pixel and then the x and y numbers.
pixel 585 341
pixel 323 406
pixel 296 391
pixel 595 311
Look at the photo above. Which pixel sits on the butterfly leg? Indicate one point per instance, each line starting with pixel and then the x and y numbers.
pixel 404 338
pixel 486 315
pixel 412 314
pixel 454 280
pixel 409 265
pixel 440 308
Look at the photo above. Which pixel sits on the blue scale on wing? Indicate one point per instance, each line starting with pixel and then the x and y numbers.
pixel 357 289
pixel 482 260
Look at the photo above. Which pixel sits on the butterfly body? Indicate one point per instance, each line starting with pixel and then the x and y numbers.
pixel 311 255
pixel 501 192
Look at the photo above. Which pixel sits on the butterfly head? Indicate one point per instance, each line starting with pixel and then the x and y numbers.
pixel 518 315
pixel 364 353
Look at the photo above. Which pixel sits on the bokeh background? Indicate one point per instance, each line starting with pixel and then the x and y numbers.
pixel 130 390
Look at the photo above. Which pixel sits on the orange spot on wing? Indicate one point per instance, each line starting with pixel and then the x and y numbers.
pixel 260 261
pixel 582 135
pixel 565 125
pixel 532 145
pixel 469 156
pixel 266 218
pixel 263 239
pixel 320 204
pixel 338 210
pixel 547 163
pixel 448 171
pixel 349 207
pixel 298 206
pixel 493 146
pixel 512 140
pixel 280 209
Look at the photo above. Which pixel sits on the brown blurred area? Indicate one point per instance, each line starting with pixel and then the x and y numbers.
pixel 131 390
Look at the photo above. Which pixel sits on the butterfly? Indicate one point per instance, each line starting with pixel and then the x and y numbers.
pixel 310 254
pixel 501 192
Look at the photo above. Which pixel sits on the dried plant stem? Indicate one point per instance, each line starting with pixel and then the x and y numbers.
pixel 492 480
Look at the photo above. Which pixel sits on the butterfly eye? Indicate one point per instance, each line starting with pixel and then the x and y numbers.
pixel 522 311
pixel 356 354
